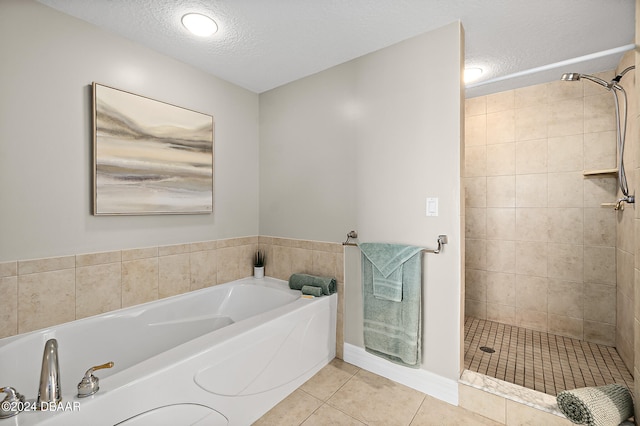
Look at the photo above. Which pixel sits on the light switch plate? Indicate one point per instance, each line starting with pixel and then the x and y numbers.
pixel 432 206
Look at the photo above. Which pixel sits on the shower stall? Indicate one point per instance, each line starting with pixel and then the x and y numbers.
pixel 549 230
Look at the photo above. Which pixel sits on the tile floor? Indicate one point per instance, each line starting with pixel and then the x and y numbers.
pixel 343 394
pixel 540 361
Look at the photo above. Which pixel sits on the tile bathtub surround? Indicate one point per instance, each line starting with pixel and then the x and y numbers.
pixel 539 247
pixel 44 292
pixel 344 394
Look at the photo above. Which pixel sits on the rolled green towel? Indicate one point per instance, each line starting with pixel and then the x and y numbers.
pixel 597 406
pixel 327 284
pixel 313 291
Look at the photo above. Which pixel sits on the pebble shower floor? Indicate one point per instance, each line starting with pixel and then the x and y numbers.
pixel 540 361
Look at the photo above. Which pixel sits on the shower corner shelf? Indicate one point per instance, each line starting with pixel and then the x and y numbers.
pixel 611 172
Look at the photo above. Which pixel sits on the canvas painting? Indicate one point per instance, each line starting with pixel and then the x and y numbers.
pixel 150 157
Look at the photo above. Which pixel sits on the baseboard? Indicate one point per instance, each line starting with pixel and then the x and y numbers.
pixel 418 379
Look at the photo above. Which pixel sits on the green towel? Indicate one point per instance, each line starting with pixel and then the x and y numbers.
pixel 597 406
pixel 311 290
pixel 388 261
pixel 392 330
pixel 327 284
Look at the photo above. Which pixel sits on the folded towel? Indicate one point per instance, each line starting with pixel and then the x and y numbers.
pixel 313 291
pixel 597 406
pixel 392 330
pixel 388 260
pixel 327 284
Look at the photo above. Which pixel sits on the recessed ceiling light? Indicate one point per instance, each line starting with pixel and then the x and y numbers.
pixel 199 25
pixel 472 74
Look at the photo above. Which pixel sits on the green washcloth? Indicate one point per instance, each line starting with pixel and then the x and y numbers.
pixel 313 291
pixel 597 406
pixel 327 284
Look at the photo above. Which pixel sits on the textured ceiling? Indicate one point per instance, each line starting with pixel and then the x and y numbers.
pixel 263 44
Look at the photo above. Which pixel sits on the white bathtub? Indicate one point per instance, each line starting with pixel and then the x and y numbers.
pixel 219 356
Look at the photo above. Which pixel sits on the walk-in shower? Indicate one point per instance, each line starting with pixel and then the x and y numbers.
pixel 621 123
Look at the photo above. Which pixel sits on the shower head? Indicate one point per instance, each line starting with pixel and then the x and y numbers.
pixel 574 76
pixel 570 76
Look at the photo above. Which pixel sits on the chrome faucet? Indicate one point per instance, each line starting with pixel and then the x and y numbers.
pixel 49 390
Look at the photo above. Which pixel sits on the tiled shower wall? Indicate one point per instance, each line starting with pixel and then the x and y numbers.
pixel 44 292
pixel 540 249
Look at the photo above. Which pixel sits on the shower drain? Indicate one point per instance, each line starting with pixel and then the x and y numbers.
pixel 487 349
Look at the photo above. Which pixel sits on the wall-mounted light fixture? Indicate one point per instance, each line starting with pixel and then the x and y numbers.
pixel 199 24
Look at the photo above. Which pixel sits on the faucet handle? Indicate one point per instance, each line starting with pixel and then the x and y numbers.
pixel 90 383
pixel 12 404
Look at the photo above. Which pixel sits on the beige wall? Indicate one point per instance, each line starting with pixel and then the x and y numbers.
pixel 360 146
pixel 45 138
pixel 540 250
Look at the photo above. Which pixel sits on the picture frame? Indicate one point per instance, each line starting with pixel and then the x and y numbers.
pixel 150 157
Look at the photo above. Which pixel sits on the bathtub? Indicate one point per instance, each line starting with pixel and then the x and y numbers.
pixel 223 355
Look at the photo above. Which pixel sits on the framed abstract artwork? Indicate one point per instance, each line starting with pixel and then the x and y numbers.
pixel 149 157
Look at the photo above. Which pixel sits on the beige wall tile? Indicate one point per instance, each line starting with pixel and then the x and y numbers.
pixel 483 403
pixel 501 101
pixel 475 192
pixel 139 281
pixel 501 127
pixel 531 123
pixel 566 298
pixel 501 313
pixel 600 151
pixel 531 258
pixel 203 269
pixel 534 320
pixel 8 269
pixel 501 288
pixel 531 156
pixel 46 264
pixel 600 265
pixel 599 113
pixel 46 299
pixel 566 117
pixel 501 223
pixel 174 274
pixel 141 253
pixel 501 256
pixel 280 267
pixel 560 90
pixel 531 96
pixel 8 306
pixel 531 293
pixel 565 326
pixel 566 225
pixel 566 189
pixel 600 224
pixel 565 154
pixel 98 258
pixel 565 261
pixel 475 106
pixel 475 308
pixel 501 191
pixel 174 249
pixel 475 222
pixel 599 190
pixel 301 261
pixel 98 289
pixel 531 190
pixel 235 262
pixel 500 159
pixel 600 303
pixel 531 224
pixel 324 264
pixel 204 246
pixel 601 333
pixel 475 131
pixel 475 284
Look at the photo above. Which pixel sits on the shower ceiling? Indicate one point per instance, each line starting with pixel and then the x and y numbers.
pixel 264 44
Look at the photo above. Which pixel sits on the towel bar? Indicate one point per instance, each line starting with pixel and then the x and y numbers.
pixel 442 240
